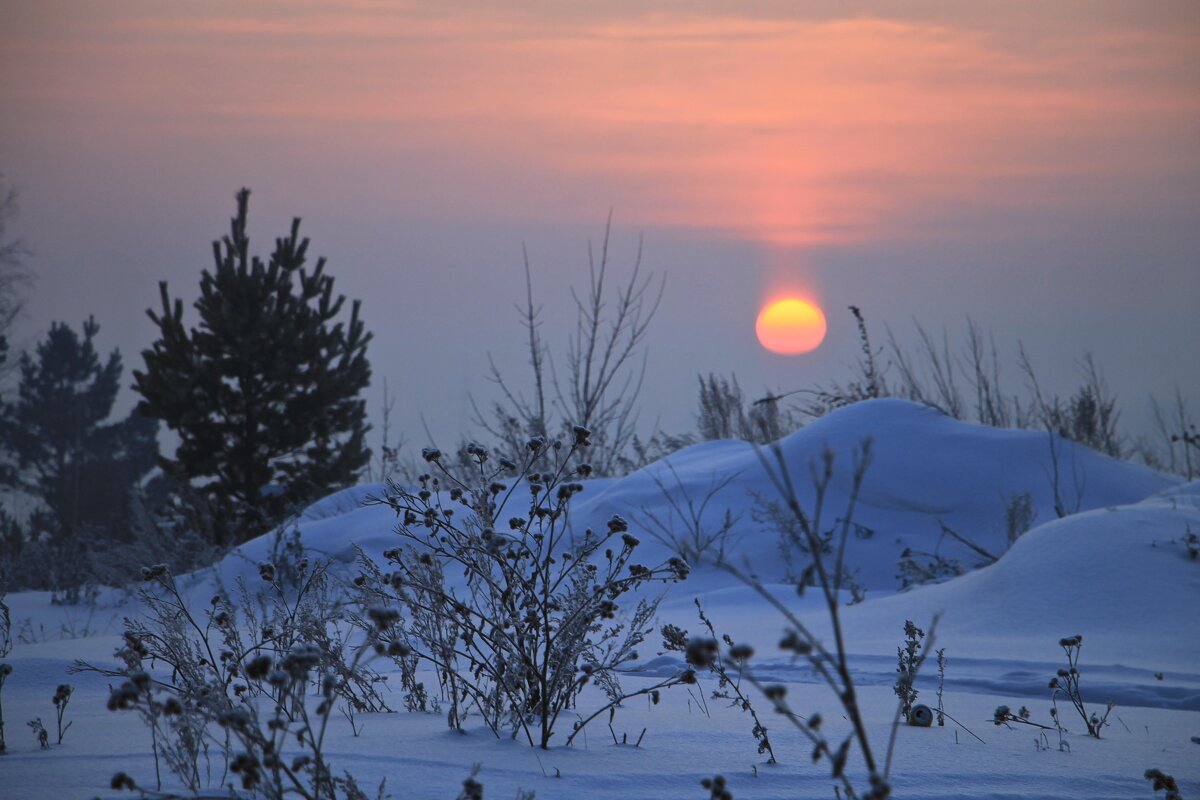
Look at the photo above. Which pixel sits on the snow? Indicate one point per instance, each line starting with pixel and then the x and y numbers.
pixel 1114 571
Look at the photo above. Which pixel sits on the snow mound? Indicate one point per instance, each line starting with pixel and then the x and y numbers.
pixel 926 468
pixel 1120 576
pixel 341 503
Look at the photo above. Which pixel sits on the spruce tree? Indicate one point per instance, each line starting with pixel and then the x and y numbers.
pixel 84 470
pixel 264 392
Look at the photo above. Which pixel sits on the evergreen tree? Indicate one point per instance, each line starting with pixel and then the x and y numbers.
pixel 264 392
pixel 12 269
pixel 7 459
pixel 84 471
pixel 13 276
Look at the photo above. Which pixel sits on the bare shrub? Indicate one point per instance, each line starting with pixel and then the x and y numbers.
pixel 6 643
pixel 386 464
pixel 237 682
pixel 941 686
pixel 796 547
pixel 827 569
pixel 1162 782
pixel 534 616
pixel 15 277
pixel 908 657
pixel 930 376
pixel 1019 515
pixel 682 526
pixel 6 640
pixel 598 381
pixel 723 413
pixel 920 567
pixel 867 383
pixel 39 733
pixel 704 652
pixel 965 381
pixel 62 696
pixel 1180 440
pixel 1089 416
pixel 1003 715
pixel 74 572
pixel 1066 683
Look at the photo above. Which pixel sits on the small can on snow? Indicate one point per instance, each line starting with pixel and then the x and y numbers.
pixel 920 716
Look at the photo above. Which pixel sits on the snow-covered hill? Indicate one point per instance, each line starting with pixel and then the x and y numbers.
pixel 926 468
pixel 1115 570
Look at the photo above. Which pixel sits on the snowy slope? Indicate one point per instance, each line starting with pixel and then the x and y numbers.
pixel 1116 572
pixel 1119 576
pixel 927 467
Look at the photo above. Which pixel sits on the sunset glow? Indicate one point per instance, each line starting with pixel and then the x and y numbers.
pixel 787 130
pixel 275 271
pixel 791 326
pixel 925 161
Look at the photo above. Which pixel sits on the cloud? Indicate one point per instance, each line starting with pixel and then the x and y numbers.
pixel 805 128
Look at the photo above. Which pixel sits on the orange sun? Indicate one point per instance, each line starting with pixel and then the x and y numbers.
pixel 790 326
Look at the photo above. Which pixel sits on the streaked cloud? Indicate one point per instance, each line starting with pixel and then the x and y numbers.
pixel 806 128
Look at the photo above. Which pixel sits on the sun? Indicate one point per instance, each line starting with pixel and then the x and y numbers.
pixel 791 326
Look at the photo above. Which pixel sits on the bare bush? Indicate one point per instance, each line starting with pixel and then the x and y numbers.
pixel 795 545
pixel 704 652
pixel 828 572
pixel 236 685
pixel 919 567
pixel 62 697
pixel 1019 515
pixel 1162 782
pixel 1089 416
pixel 723 413
pixel 1180 440
pixel 965 381
pixel 868 381
pixel 534 617
pixel 1066 682
pixel 599 379
pixel 908 659
pixel 682 527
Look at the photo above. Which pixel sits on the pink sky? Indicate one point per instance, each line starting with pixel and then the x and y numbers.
pixel 812 139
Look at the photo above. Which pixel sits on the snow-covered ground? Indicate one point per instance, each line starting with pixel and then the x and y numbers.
pixel 1115 571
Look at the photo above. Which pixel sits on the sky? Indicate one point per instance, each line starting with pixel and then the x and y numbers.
pixel 1033 166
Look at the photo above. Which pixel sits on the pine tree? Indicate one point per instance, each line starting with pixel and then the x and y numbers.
pixel 7 459
pixel 13 276
pixel 264 392
pixel 84 471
